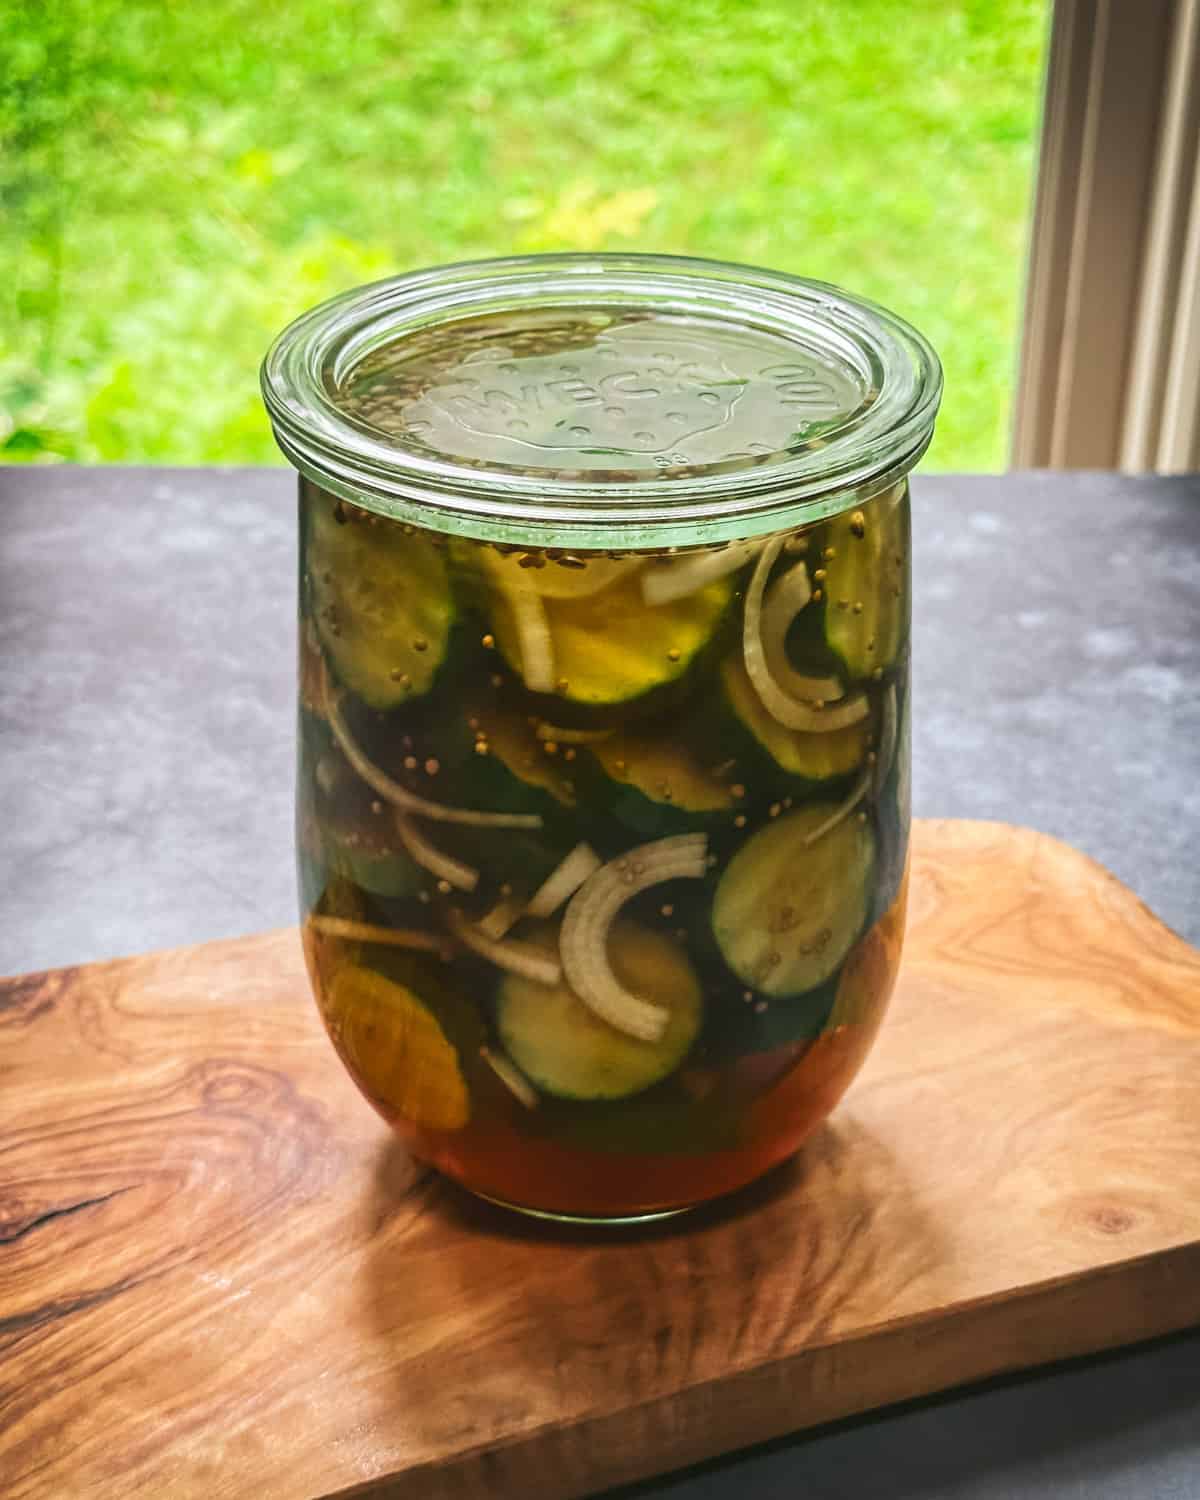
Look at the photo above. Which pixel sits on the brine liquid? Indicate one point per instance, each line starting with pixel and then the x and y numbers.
pixel 478 724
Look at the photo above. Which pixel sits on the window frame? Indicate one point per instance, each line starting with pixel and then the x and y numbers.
pixel 1109 369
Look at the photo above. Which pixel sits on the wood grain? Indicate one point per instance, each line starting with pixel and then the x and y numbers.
pixel 219 1277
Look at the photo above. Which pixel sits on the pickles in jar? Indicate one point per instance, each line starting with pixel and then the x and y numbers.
pixel 650 870
pixel 604 777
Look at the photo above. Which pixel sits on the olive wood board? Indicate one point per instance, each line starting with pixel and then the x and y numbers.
pixel 220 1278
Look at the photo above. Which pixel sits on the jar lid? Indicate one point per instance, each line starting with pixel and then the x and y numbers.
pixel 633 400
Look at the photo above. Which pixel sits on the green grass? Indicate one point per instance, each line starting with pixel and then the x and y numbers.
pixel 178 180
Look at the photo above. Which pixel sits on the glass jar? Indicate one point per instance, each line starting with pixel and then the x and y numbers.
pixel 603 783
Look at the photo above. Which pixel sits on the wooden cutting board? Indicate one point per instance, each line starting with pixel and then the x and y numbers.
pixel 219 1278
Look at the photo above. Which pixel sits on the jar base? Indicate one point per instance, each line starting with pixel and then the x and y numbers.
pixel 594 1221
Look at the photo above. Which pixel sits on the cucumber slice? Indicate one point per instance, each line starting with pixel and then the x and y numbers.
pixel 338 897
pixel 508 858
pixel 893 811
pixel 812 758
pixel 869 568
pixel 396 1048
pixel 869 974
pixel 743 1030
pixel 376 868
pixel 338 825
pixel 311 674
pixel 786 913
pixel 517 773
pixel 361 851
pixel 664 1120
pixel 311 876
pixel 553 579
pixel 328 896
pixel 311 743
pixel 381 600
pixel 490 757
pixel 565 1049
pixel 656 785
pixel 608 648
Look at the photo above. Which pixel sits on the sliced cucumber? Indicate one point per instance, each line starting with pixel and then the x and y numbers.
pixel 311 875
pixel 312 742
pixel 655 784
pixel 381 599
pixel 312 673
pixel 365 852
pixel 508 857
pixel 516 773
pixel 787 911
pixel 756 736
pixel 554 579
pixel 866 587
pixel 607 648
pixel 903 758
pixel 377 868
pixel 398 1048
pixel 742 1029
pixel 328 895
pixel 564 1049
pixel 342 827
pixel 339 897
pixel 867 978
pixel 893 810
pixel 661 1121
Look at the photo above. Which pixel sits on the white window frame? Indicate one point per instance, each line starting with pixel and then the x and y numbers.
pixel 1109 372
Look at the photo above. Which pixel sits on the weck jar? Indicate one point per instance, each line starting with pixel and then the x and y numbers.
pixel 603 798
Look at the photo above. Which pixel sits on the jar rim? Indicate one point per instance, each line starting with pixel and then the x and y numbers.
pixel 872 436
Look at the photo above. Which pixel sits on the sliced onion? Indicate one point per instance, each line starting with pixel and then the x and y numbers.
pixel 430 857
pixel 839 815
pixel 511 1077
pixel 506 913
pixel 534 640
pixel 583 940
pixel 391 937
pixel 380 782
pixel 785 709
pixel 564 881
pixel 527 959
pixel 564 736
pixel 671 581
pixel 784 600
pixel 888 736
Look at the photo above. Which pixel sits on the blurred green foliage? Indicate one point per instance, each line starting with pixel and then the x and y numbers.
pixel 178 180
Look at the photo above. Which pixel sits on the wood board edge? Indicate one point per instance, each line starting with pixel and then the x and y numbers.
pixel 1113 1306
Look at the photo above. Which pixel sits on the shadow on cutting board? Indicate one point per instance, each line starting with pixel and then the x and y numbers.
pixel 502 1330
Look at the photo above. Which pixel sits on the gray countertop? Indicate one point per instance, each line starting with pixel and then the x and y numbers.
pixel 146 701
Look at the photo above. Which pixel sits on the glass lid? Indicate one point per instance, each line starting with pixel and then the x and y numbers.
pixel 601 399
